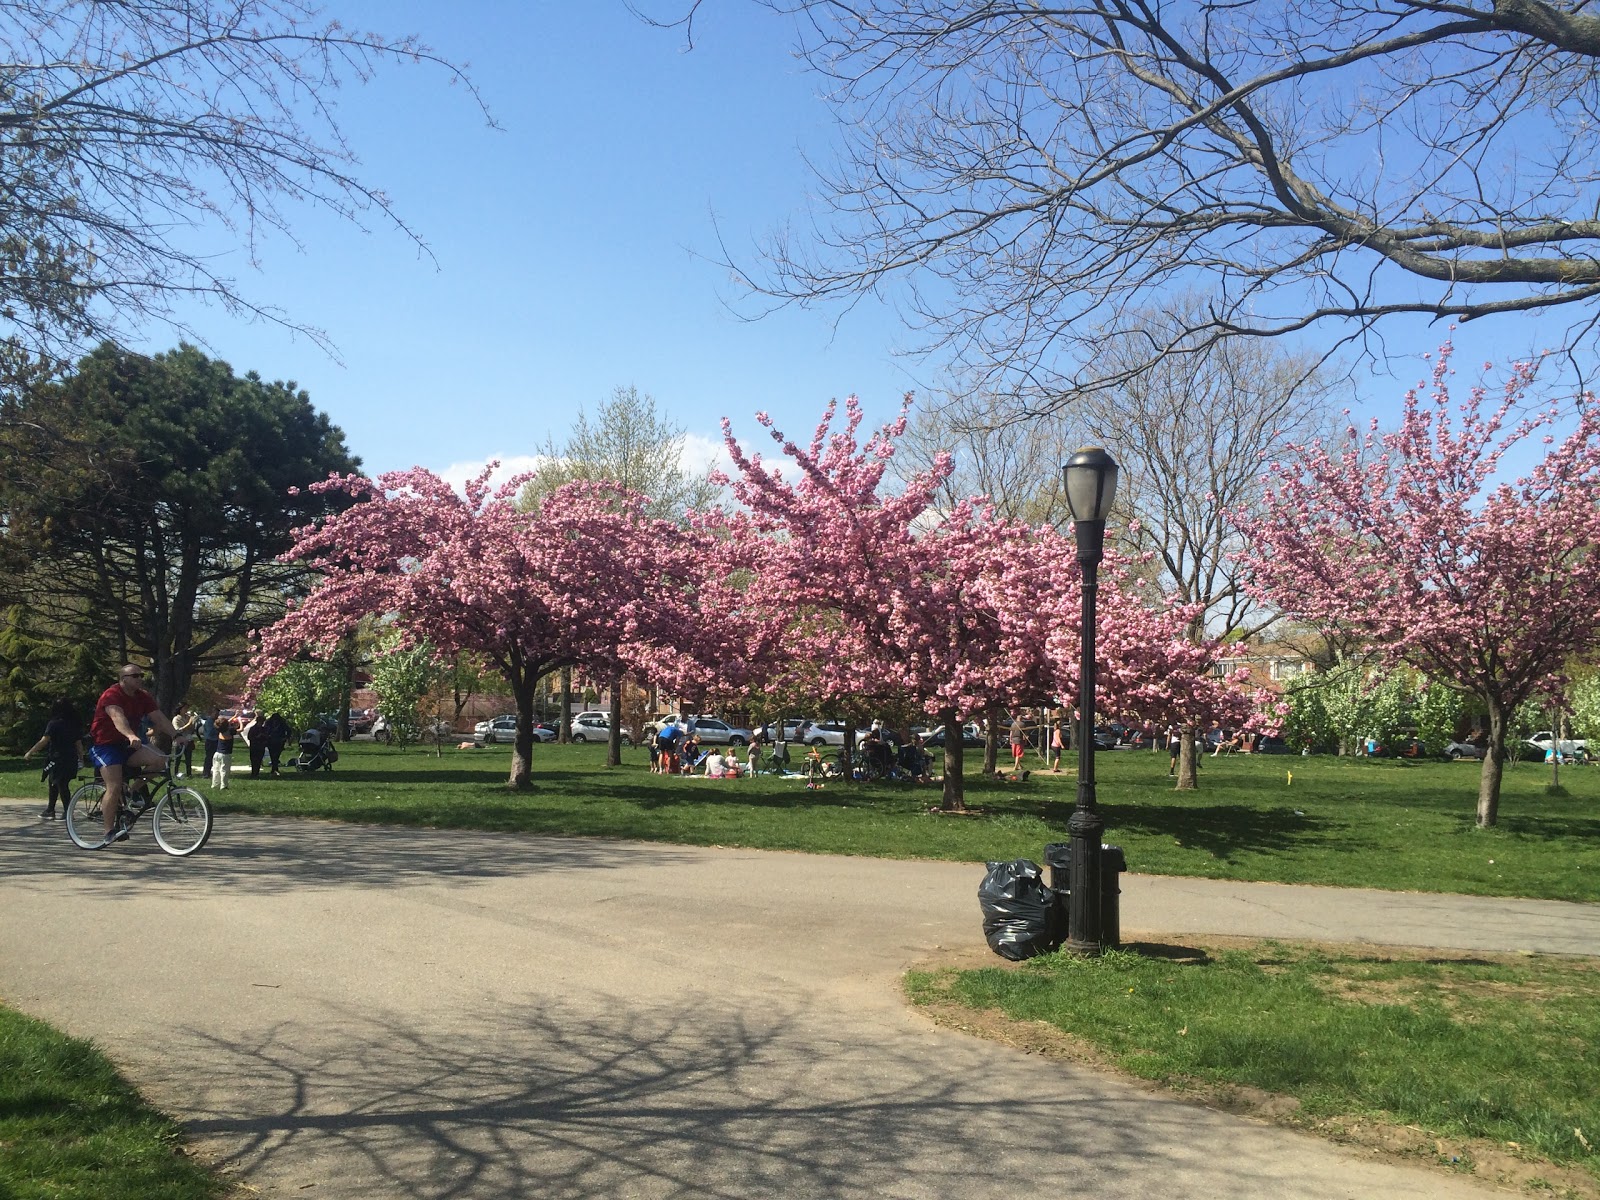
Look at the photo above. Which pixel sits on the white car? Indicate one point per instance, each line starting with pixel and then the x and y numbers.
pixel 1571 750
pixel 595 727
pixel 828 733
pixel 504 729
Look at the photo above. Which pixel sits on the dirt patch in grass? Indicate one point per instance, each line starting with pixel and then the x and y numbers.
pixel 1505 1165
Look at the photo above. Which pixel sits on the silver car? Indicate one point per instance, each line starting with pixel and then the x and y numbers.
pixel 504 729
pixel 714 732
pixel 595 727
pixel 828 733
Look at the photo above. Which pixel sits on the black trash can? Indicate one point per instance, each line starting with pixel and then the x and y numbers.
pixel 1058 856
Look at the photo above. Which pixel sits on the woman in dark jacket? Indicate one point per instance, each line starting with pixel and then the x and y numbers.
pixel 63 741
pixel 277 734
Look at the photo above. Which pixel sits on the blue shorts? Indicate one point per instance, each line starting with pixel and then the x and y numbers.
pixel 113 754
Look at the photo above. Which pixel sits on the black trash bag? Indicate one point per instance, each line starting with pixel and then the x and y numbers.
pixel 1020 918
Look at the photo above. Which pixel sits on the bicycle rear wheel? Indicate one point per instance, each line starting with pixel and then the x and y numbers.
pixel 181 821
pixel 85 815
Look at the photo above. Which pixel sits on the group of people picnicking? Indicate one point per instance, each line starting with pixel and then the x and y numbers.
pixel 676 749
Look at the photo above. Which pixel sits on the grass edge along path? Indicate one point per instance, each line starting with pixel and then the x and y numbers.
pixel 1480 1063
pixel 1399 826
pixel 72 1128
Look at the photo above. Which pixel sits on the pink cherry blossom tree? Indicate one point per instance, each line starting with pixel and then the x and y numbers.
pixel 587 580
pixel 889 596
pixel 1148 664
pixel 1406 537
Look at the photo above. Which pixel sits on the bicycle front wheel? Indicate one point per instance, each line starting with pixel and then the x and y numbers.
pixel 85 815
pixel 181 822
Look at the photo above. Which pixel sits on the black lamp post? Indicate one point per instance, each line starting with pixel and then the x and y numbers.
pixel 1090 478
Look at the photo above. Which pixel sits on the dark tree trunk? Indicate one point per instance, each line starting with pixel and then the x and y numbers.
pixel 991 739
pixel 954 797
pixel 564 734
pixel 1188 763
pixel 522 688
pixel 1494 765
pixel 614 740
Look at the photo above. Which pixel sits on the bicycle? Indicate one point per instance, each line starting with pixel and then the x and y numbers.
pixel 180 818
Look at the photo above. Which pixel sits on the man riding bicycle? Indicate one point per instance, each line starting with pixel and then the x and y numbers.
pixel 118 750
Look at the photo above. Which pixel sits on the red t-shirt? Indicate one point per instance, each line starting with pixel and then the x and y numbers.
pixel 140 704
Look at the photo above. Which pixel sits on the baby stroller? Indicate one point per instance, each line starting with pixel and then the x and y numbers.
pixel 316 750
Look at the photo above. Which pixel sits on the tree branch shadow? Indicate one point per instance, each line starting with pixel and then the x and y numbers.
pixel 690 1098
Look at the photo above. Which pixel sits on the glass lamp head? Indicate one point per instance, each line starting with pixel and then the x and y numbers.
pixel 1090 479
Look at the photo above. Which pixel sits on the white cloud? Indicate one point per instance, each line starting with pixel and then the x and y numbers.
pixel 701 453
pixel 457 474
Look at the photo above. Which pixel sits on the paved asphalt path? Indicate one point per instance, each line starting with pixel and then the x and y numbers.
pixel 341 1012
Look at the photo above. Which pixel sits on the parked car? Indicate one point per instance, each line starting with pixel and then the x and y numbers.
pixel 361 719
pixel 504 729
pixel 828 733
pixel 790 733
pixel 971 736
pixel 716 732
pixel 1570 749
pixel 1459 750
pixel 1128 737
pixel 595 727
pixel 1273 745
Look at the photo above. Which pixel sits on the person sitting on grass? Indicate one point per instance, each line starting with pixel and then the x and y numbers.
pixel 691 754
pixel 877 755
pixel 714 764
pixel 915 760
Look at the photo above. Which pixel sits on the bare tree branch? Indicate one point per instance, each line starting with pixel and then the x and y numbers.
pixel 1022 176
pixel 123 127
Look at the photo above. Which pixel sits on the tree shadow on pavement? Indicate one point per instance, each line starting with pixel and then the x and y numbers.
pixel 564 1099
pixel 270 855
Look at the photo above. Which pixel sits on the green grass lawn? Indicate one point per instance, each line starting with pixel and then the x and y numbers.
pixel 1353 822
pixel 1460 1048
pixel 71 1127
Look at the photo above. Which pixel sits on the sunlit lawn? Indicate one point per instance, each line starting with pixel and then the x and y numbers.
pixel 1450 1046
pixel 1357 822
pixel 71 1128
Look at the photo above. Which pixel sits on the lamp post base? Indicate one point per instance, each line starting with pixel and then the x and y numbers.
pixel 1085 922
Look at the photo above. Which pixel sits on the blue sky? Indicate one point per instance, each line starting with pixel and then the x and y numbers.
pixel 576 244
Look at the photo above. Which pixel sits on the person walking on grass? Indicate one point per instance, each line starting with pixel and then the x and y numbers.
pixel 1019 739
pixel 206 730
pixel 254 734
pixel 186 724
pixel 277 736
pixel 222 760
pixel 1056 744
pixel 63 746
